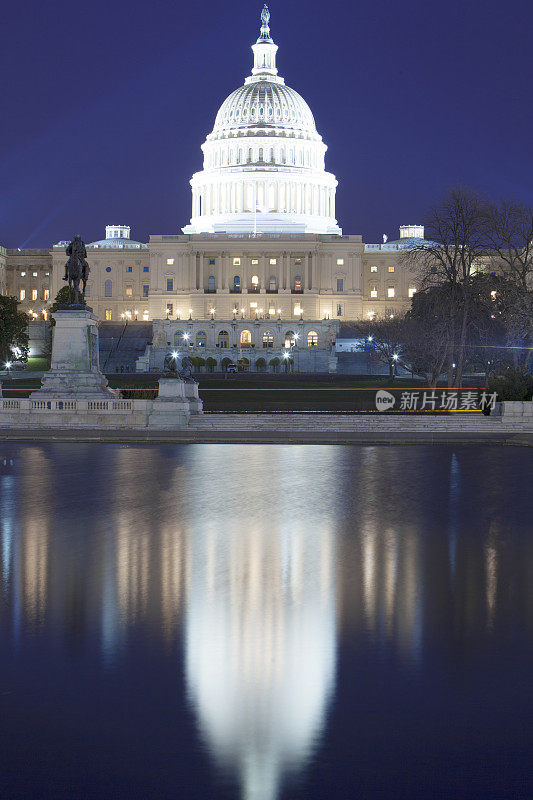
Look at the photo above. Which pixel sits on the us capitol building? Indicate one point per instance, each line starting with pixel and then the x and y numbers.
pixel 262 266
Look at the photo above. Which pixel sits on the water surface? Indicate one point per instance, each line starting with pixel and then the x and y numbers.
pixel 265 622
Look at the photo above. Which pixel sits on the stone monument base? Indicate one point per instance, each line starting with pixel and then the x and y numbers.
pixel 74 371
pixel 171 408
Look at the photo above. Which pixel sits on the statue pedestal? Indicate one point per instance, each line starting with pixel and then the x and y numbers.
pixel 171 407
pixel 75 371
pixel 191 393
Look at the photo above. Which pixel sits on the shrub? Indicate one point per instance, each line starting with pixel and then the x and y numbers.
pixel 225 363
pixel 512 384
pixel 274 363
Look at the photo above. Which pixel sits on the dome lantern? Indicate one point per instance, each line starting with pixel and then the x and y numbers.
pixel 264 51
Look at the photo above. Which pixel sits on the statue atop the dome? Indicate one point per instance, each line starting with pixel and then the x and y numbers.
pixel 265 18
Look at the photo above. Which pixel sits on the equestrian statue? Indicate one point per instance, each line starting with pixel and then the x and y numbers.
pixel 76 269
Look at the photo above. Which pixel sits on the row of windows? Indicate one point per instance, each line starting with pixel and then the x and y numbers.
pixel 130 269
pixel 220 158
pixel 108 289
pixel 391 292
pixel 34 294
pixel 34 274
pixel 374 268
pixel 289 339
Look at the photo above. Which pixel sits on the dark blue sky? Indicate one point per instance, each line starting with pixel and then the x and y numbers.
pixel 105 105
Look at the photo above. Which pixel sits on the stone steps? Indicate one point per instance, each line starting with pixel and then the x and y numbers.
pixel 334 423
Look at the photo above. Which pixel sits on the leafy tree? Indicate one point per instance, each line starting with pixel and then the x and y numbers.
pixel 274 363
pixel 260 364
pixel 13 329
pixel 211 363
pixel 225 363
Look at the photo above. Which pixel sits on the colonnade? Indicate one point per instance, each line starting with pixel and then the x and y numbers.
pixel 245 196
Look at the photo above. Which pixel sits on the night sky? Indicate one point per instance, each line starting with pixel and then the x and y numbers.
pixel 105 105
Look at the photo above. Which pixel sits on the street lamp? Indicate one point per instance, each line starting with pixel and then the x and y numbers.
pixel 212 313
pixel 190 313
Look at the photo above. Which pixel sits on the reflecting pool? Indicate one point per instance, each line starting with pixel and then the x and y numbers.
pixel 265 622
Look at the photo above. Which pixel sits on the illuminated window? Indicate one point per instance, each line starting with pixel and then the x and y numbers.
pixel 340 284
pixel 312 339
pixel 170 261
pixel 271 310
pixel 255 261
pixel 246 339
pixel 390 291
pixel 373 291
pixel 253 305
pixel 22 294
pixel 273 261
pixel 290 339
pixel 297 310
pixel 201 339
pixel 268 339
pixel 34 274
pixel 412 291
pixel 47 294
pixel 340 262
pixel 255 280
pixel 391 269
pixel 170 309
pixel 373 269
pixel 236 262
pixel 339 309
pixel 108 314
pixel 34 294
pixel 297 284
pixel 22 274
pixel 129 291
pixel 170 284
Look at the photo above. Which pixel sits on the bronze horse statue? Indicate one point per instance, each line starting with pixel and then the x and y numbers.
pixel 76 270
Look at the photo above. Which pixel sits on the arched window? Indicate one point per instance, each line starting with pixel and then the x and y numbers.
pixel 250 154
pixel 201 339
pixel 178 339
pixel 211 283
pixel 298 283
pixel 246 339
pixel 223 339
pixel 268 339
pixel 312 339
pixel 236 283
pixel 272 284
pixel 255 283
pixel 290 339
pixel 271 154
pixel 240 155
pixel 260 154
pixel 108 289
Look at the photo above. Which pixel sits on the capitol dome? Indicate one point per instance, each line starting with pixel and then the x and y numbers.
pixel 264 167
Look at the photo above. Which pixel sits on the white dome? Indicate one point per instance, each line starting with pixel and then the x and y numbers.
pixel 264 169
pixel 267 106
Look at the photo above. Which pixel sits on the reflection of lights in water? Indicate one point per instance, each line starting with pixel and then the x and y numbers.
pixel 261 634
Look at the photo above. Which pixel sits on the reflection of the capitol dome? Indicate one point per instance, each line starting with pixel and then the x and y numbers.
pixel 261 619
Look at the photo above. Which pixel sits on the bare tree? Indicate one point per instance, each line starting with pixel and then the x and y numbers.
pixel 510 236
pixel 384 339
pixel 454 249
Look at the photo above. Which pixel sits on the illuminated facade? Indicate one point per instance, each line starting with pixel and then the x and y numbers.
pixel 263 245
